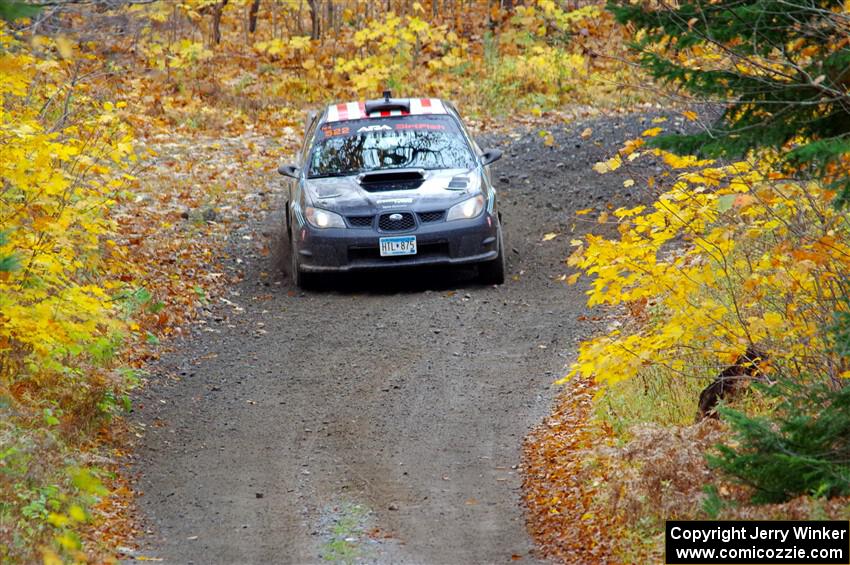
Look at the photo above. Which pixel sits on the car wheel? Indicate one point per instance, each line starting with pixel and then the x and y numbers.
pixel 493 272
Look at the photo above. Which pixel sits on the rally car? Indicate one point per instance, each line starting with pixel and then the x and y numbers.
pixel 391 182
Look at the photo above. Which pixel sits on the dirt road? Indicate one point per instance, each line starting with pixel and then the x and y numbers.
pixel 378 419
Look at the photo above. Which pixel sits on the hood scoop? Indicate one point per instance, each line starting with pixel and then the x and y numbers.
pixel 327 193
pixel 385 181
pixel 458 183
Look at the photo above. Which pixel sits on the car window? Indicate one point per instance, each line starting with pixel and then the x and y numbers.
pixel 420 142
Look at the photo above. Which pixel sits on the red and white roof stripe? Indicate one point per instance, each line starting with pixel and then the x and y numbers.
pixel 357 110
pixel 346 111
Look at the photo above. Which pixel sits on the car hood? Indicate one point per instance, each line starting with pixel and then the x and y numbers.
pixel 439 190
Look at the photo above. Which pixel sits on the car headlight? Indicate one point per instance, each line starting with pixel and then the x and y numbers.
pixel 467 209
pixel 321 219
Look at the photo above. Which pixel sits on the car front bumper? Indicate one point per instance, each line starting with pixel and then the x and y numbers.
pixel 444 243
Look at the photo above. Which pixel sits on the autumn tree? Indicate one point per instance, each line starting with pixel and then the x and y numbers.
pixel 782 67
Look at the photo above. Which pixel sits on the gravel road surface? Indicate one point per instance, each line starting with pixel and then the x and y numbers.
pixel 378 419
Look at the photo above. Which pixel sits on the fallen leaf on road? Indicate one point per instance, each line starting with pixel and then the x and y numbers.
pixel 550 236
pixel 586 133
pixel 555 489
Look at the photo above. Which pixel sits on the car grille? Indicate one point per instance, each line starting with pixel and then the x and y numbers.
pixel 428 217
pixel 360 221
pixel 405 223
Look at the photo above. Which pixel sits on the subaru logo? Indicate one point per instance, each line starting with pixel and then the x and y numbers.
pixel 396 217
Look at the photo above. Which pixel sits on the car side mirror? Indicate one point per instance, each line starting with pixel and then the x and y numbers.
pixel 288 171
pixel 490 156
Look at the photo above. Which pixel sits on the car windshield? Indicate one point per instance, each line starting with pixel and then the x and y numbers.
pixel 419 142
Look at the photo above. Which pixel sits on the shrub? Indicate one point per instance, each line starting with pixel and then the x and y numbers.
pixel 64 155
pixel 802 448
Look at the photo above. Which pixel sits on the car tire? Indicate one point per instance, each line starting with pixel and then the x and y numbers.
pixel 493 272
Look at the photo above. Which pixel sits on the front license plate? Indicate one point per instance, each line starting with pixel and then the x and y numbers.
pixel 393 246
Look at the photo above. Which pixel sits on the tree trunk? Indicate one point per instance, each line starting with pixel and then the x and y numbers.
pixel 253 11
pixel 329 16
pixel 730 382
pixel 216 23
pixel 300 19
pixel 315 18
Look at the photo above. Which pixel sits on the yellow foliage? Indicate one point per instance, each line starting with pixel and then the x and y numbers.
pixel 63 156
pixel 398 48
pixel 542 14
pixel 54 204
pixel 730 257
